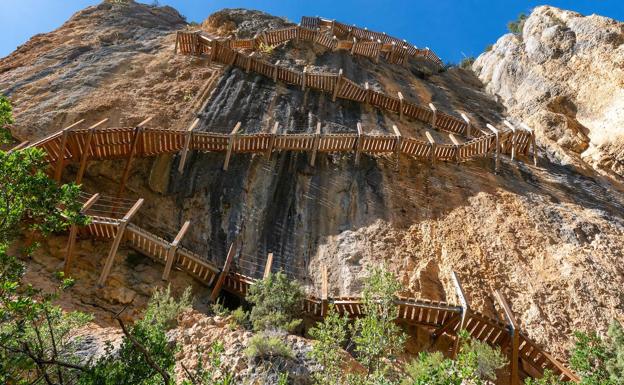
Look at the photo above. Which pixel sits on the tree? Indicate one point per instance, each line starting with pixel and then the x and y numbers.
pixel 376 336
pixel 276 302
pixel 330 335
pixel 6 118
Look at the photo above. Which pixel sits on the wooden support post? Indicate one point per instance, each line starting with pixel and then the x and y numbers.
pixel 213 51
pixel 173 247
pixel 324 290
pixel 368 94
pixel 133 148
pixel 317 141
pixel 468 125
pixel 175 48
pixel 397 145
pixel 267 267
pixel 233 137
pixel 434 115
pixel 353 46
pixel 377 51
pixel 187 143
pixel 60 162
pixel 533 145
pixel 360 143
pixel 226 268
pixel 513 138
pixel 465 309
pixel 121 228
pixel 303 78
pixel 337 85
pixel 496 132
pixel 272 140
pixel 73 232
pixel 400 106
pixel 392 52
pixel 457 146
pixel 275 71
pixel 514 333
pixel 432 143
pixel 86 149
pixel 249 59
pixel 447 327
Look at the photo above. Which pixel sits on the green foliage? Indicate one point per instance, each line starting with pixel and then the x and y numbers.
pixel 615 364
pixel 212 372
pixel 163 309
pixel 517 25
pixel 549 378
pixel 240 317
pixel 467 62
pixel 489 47
pixel 267 346
pixel 30 200
pixel 266 49
pixel 277 300
pixel 476 363
pixel 219 309
pixel 6 118
pixel 376 336
pixel 330 335
pixel 600 361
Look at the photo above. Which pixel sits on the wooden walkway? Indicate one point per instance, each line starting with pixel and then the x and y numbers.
pixel 518 140
pixel 111 221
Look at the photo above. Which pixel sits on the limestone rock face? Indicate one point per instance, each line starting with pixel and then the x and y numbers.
pixel 564 76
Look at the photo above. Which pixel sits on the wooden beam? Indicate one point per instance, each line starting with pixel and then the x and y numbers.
pixel 249 58
pixel 514 333
pixel 275 68
pixel 496 132
pixel 457 146
pixel 397 145
pixel 337 85
pixel 19 147
pixel 60 162
pixel 268 265
pixel 465 310
pixel 73 232
pixel 231 145
pixel 86 149
pixel 513 139
pixel 175 48
pixel 400 105
pixel 317 141
pixel 367 94
pixel 360 143
pixel 226 268
pixel 447 327
pixel 303 78
pixel 121 228
pixel 187 143
pixel 533 145
pixel 324 290
pixel 468 125
pixel 272 140
pixel 133 148
pixel 353 46
pixel 432 143
pixel 434 115
pixel 173 247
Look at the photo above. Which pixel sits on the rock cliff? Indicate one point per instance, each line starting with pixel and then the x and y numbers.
pixel 549 237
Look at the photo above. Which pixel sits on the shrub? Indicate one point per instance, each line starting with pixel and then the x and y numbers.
pixel 489 47
pixel 481 357
pixel 6 118
pixel 219 309
pixel 266 346
pixel 277 300
pixel 163 309
pixel 467 62
pixel 266 49
pixel 240 318
pixel 517 25
pixel 330 335
pixel 549 378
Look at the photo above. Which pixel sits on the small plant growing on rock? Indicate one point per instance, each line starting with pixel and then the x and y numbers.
pixel 467 62
pixel 268 346
pixel 266 49
pixel 330 335
pixel 239 318
pixel 517 25
pixel 6 118
pixel 276 301
pixel 219 309
pixel 211 372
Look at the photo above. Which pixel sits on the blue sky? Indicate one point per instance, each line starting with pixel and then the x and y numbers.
pixel 452 28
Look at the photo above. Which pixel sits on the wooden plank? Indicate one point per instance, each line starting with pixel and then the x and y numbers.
pixel 514 332
pixel 468 125
pixel 317 140
pixel 73 232
pixel 135 140
pixel 19 147
pixel 267 266
pixel 275 69
pixel 434 115
pixel 400 106
pixel 121 227
pixel 457 146
pixel 513 138
pixel 337 85
pixel 173 247
pixel 496 132
pixel 187 142
pixel 226 268
pixel 397 145
pixel 324 290
pixel 465 306
pixel 303 78
pixel 231 141
pixel 432 143
pixel 60 162
pixel 85 150
pixel 272 140
pixel 368 94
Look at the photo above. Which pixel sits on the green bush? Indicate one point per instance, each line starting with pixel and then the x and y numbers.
pixel 330 335
pixel 517 25
pixel 219 309
pixel 240 318
pixel 267 346
pixel 276 303
pixel 467 62
pixel 163 309
pixel 6 118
